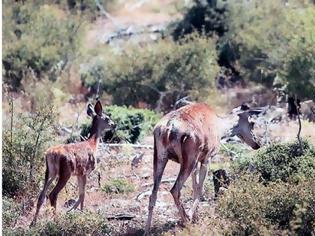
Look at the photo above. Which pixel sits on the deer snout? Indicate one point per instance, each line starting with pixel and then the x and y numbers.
pixel 256 146
pixel 112 125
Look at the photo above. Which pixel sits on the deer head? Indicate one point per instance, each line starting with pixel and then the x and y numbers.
pixel 244 127
pixel 100 121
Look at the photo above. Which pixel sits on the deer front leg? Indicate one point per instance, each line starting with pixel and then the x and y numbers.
pixel 81 184
pixel 202 176
pixel 82 190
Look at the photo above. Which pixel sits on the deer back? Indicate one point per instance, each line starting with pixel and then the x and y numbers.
pixel 80 157
pixel 196 122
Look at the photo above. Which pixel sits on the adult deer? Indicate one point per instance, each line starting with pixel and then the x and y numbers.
pixel 191 135
pixel 74 159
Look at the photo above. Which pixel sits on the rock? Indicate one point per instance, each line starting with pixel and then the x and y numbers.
pixel 220 179
pixel 69 203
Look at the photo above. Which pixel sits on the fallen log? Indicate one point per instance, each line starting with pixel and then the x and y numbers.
pixel 120 216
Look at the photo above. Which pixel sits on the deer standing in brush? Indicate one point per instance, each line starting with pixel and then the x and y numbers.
pixel 188 136
pixel 77 159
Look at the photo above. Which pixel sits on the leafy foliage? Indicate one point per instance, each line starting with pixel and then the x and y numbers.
pixel 163 70
pixel 78 223
pixel 279 199
pixel 39 41
pixel 118 186
pixel 132 124
pixel 280 46
pixel 11 211
pixel 24 140
pixel 286 162
pixel 256 209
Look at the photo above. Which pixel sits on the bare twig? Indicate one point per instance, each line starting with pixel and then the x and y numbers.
pixel 300 128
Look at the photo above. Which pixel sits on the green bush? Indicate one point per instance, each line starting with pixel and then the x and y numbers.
pixel 157 73
pixel 118 186
pixel 10 212
pixel 286 162
pixel 278 50
pixel 255 208
pixel 39 41
pixel 25 137
pixel 132 124
pixel 77 223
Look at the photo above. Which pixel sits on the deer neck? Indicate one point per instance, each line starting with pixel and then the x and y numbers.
pixel 94 140
pixel 95 135
pixel 226 124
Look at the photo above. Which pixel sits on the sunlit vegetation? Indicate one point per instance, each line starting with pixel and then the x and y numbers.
pixel 49 65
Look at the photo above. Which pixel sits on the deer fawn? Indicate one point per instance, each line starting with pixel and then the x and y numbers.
pixel 78 159
pixel 187 136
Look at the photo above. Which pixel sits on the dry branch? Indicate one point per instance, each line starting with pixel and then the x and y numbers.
pixel 120 216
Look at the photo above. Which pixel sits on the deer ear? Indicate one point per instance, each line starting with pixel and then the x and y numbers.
pixel 90 110
pixel 98 108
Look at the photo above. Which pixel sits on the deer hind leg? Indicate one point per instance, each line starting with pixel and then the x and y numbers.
pixel 198 190
pixel 64 176
pixel 81 183
pixel 49 178
pixel 159 164
pixel 194 175
pixel 187 166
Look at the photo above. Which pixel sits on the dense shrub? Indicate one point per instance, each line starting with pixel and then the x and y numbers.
pixel 276 51
pixel 25 138
pixel 286 162
pixel 78 223
pixel 10 212
pixel 118 186
pixel 132 124
pixel 164 70
pixel 255 209
pixel 39 42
